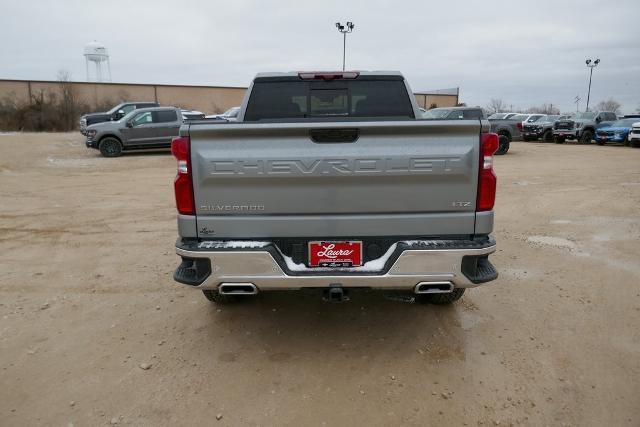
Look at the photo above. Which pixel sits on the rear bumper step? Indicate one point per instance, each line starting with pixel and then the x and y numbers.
pixel 421 266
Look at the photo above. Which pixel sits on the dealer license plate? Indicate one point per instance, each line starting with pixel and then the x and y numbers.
pixel 335 254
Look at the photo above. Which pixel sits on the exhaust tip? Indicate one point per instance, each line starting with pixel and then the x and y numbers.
pixel 237 289
pixel 433 288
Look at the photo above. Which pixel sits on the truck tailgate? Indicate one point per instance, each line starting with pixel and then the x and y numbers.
pixel 382 178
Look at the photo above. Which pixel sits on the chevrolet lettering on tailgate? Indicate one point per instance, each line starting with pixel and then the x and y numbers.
pixel 335 166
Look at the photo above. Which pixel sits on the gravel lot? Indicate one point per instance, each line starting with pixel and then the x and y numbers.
pixel 87 302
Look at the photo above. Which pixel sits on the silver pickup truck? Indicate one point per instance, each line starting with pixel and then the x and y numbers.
pixel 328 180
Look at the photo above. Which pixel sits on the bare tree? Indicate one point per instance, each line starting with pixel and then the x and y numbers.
pixel 68 101
pixel 609 105
pixel 496 106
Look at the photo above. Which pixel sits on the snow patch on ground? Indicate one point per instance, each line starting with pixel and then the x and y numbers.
pixel 560 221
pixel 71 163
pixel 557 242
pixel 525 183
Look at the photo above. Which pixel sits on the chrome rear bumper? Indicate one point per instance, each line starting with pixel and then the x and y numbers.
pixel 266 270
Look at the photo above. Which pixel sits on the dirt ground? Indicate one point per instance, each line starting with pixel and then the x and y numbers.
pixel 87 301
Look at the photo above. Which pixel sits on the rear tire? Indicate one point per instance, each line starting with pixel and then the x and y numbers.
pixel 110 147
pixel 440 299
pixel 547 136
pixel 504 141
pixel 634 143
pixel 586 137
pixel 215 296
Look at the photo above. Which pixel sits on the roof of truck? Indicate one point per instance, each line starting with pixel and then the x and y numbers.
pixel 296 73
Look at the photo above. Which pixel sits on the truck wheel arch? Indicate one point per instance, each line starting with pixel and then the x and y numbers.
pixel 110 135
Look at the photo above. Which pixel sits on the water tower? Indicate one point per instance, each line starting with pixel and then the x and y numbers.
pixel 96 52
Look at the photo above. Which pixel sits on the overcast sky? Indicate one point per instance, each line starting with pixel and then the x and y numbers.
pixel 526 53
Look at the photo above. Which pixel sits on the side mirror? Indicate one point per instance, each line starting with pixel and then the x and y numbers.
pixel 598 119
pixel 129 124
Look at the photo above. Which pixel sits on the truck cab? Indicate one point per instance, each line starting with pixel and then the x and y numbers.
pixel 116 113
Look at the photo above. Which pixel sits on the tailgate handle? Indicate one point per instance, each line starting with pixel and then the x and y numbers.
pixel 334 136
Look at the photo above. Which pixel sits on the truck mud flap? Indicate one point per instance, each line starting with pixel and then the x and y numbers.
pixel 192 271
pixel 478 269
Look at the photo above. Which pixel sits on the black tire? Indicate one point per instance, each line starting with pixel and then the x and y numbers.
pixel 504 141
pixel 626 141
pixel 558 139
pixel 547 136
pixel 440 299
pixel 587 137
pixel 110 147
pixel 635 143
pixel 526 139
pixel 599 142
pixel 215 296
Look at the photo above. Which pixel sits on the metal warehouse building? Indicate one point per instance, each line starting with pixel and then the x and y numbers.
pixel 438 98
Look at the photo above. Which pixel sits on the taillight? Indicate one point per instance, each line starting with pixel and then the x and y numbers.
pixel 486 177
pixel 183 185
pixel 519 125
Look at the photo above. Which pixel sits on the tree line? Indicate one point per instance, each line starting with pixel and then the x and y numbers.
pixel 497 105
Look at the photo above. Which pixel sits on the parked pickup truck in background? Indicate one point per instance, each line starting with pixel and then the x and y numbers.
pixel 116 113
pixel 328 181
pixel 541 128
pixel 144 128
pixel 508 130
pixel 582 126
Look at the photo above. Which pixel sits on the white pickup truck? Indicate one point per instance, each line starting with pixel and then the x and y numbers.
pixel 330 180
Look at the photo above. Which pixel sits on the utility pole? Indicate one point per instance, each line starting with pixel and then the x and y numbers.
pixel 576 100
pixel 344 29
pixel 591 67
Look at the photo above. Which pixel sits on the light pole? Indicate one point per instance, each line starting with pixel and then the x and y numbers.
pixel 591 67
pixel 344 29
